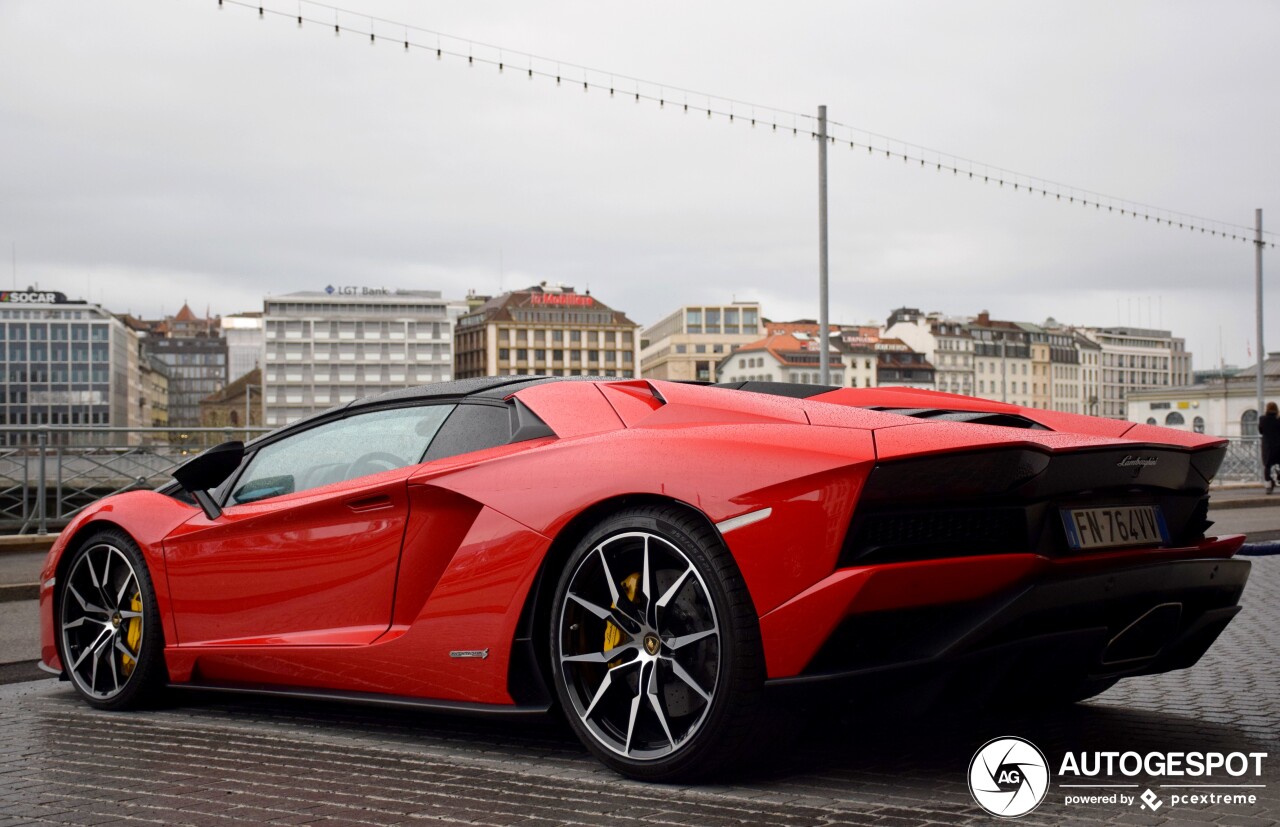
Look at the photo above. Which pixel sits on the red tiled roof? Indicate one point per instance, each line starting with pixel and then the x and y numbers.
pixel 785 346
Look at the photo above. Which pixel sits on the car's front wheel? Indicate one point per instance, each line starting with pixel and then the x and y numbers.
pixel 656 646
pixel 109 633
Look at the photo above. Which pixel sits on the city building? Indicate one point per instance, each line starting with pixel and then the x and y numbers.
pixel 688 343
pixel 237 405
pixel 898 366
pixel 549 331
pixel 858 348
pixel 1056 360
pixel 65 363
pixel 1001 359
pixel 1135 359
pixel 327 348
pixel 193 350
pixel 945 343
pixel 1090 354
pixel 1224 403
pixel 782 357
pixel 246 339
pixel 153 392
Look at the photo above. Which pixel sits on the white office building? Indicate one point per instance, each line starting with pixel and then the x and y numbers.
pixel 328 348
pixel 1137 359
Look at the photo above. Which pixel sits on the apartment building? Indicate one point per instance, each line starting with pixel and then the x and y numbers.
pixel 549 331
pixel 782 357
pixel 944 341
pixel 327 348
pixel 1136 359
pixel 689 342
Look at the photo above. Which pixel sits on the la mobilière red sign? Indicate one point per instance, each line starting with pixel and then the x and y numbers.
pixel 561 299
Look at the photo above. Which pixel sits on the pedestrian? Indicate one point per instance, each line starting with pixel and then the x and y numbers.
pixel 1269 427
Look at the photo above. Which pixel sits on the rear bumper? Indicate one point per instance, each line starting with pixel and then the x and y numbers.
pixel 998 619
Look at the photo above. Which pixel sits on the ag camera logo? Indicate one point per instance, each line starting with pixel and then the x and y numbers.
pixel 1008 777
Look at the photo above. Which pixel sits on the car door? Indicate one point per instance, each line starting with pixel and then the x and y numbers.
pixel 308 543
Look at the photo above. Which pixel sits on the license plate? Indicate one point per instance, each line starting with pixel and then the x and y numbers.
pixel 1121 525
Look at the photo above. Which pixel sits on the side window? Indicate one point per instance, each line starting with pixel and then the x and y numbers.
pixel 471 428
pixel 342 450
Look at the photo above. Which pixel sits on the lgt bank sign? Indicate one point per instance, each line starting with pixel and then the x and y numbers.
pixel 353 290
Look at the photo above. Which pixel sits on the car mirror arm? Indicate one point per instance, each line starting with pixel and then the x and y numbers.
pixel 207 504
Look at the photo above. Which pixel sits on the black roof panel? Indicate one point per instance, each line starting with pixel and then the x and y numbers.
pixel 519 383
pixel 793 390
pixel 442 390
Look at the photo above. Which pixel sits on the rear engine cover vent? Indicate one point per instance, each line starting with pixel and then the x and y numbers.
pixel 1004 420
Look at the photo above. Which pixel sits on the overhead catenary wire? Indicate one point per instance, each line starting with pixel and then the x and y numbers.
pixel 776 119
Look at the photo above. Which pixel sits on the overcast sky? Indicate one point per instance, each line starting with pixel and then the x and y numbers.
pixel 153 151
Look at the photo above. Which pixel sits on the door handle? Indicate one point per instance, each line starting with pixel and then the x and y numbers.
pixel 373 503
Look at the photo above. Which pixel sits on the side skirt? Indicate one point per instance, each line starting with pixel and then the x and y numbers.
pixel 371 699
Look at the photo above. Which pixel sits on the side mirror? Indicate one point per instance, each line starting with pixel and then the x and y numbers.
pixel 207 471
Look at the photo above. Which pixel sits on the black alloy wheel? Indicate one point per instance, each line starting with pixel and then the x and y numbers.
pixel 108 627
pixel 655 646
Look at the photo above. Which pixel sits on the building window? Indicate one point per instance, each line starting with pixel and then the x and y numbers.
pixel 1248 422
pixel 1197 424
pixel 1174 418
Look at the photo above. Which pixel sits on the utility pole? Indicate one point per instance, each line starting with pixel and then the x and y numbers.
pixel 1257 284
pixel 824 340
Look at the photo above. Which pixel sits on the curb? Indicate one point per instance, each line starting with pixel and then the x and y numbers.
pixel 19 591
pixel 25 543
pixel 1256 502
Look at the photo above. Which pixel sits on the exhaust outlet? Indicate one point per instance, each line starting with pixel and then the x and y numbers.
pixel 1145 637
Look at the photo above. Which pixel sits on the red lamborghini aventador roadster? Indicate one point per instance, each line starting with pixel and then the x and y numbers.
pixel 658 559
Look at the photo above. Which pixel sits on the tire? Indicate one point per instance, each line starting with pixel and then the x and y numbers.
pixel 108 626
pixel 651 600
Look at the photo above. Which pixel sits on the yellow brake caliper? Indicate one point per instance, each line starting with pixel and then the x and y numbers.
pixel 133 636
pixel 612 634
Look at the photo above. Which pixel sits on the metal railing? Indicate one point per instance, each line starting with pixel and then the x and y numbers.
pixel 50 473
pixel 1243 462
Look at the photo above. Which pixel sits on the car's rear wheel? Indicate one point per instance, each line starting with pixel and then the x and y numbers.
pixel 109 634
pixel 655 646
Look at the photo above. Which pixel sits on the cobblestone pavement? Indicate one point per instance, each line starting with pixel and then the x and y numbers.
pixel 218 760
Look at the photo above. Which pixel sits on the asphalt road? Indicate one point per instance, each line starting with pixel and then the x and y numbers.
pixel 1258 524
